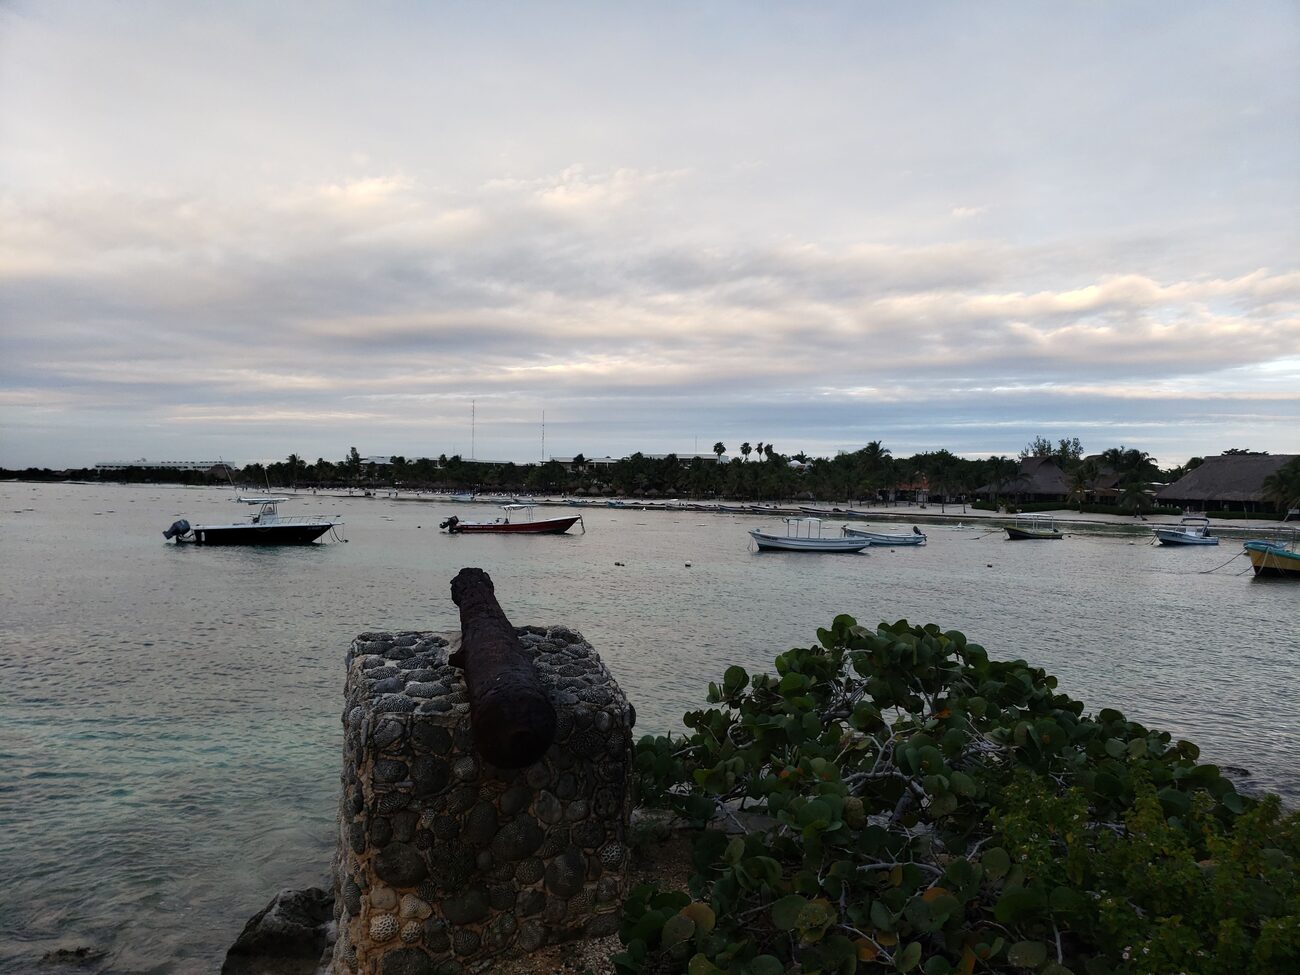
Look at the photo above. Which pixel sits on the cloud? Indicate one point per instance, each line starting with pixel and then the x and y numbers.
pixel 651 224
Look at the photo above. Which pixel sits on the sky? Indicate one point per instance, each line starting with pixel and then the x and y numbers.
pixel 245 230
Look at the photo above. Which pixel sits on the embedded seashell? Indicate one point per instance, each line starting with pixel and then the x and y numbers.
pixel 383 927
pixel 465 768
pixel 611 855
pixel 413 907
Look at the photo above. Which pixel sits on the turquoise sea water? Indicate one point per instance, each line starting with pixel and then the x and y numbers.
pixel 169 716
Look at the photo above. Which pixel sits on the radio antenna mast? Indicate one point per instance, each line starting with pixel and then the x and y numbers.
pixel 473 405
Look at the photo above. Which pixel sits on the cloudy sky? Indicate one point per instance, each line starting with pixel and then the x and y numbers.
pixel 250 229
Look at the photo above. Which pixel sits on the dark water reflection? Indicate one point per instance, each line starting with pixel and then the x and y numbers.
pixel 169 717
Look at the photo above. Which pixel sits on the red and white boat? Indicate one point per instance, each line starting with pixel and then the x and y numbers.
pixel 518 519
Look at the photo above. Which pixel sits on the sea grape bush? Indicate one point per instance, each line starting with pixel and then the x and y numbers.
pixel 894 800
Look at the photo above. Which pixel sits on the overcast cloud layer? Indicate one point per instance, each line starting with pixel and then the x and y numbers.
pixel 246 230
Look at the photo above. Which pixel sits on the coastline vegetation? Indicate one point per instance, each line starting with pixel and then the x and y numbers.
pixel 894 800
pixel 873 473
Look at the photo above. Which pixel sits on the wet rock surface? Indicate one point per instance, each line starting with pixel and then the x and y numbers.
pixel 287 937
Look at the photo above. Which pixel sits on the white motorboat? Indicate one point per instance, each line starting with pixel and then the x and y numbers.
pixel 915 537
pixel 1189 531
pixel 805 535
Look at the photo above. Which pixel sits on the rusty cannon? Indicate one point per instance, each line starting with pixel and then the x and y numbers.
pixel 511 717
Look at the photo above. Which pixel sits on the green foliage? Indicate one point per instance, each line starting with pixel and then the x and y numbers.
pixel 893 800
pixel 1282 487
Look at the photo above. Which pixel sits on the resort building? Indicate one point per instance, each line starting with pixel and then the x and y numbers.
pixel 1230 482
pixel 166 465
pixel 1039 479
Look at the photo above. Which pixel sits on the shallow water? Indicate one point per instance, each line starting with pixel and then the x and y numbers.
pixel 169 716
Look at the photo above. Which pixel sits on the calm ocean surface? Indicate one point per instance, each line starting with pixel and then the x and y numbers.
pixel 169 717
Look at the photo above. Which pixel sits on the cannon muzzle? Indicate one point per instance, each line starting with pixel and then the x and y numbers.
pixel 511 716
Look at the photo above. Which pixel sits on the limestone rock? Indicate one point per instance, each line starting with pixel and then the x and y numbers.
pixel 286 937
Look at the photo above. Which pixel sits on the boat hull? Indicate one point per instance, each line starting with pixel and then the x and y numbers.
pixel 552 526
pixel 780 543
pixel 1268 559
pixel 257 534
pixel 1182 538
pixel 882 539
pixel 1031 534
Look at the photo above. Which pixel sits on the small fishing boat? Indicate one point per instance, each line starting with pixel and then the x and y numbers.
pixel 1275 558
pixel 1189 531
pixel 733 509
pixel 465 496
pixel 517 520
pixel 266 527
pixel 1033 529
pixel 915 537
pixel 816 512
pixel 805 535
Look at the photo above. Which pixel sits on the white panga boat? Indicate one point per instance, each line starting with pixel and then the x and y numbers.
pixel 915 537
pixel 266 527
pixel 805 535
pixel 1189 531
pixel 1033 529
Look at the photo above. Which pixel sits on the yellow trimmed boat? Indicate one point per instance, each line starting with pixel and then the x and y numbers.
pixel 1274 558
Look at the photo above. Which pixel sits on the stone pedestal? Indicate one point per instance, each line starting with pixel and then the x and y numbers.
pixel 445 861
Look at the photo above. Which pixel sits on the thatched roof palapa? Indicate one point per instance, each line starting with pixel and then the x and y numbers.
pixel 1230 478
pixel 1040 476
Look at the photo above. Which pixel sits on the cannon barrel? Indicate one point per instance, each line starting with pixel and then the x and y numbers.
pixel 512 719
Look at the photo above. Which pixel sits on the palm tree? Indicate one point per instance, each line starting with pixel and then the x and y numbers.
pixel 1002 471
pixel 1082 478
pixel 1134 469
pixel 294 461
pixel 719 448
pixel 746 449
pixel 874 453
pixel 1282 487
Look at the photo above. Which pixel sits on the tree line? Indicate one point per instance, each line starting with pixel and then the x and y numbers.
pixel 760 473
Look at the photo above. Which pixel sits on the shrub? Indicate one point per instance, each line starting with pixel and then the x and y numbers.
pixel 894 800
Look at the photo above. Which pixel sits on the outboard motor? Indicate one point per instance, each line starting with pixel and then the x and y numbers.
pixel 450 524
pixel 177 529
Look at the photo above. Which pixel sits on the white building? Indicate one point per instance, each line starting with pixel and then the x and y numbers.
pixel 168 465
